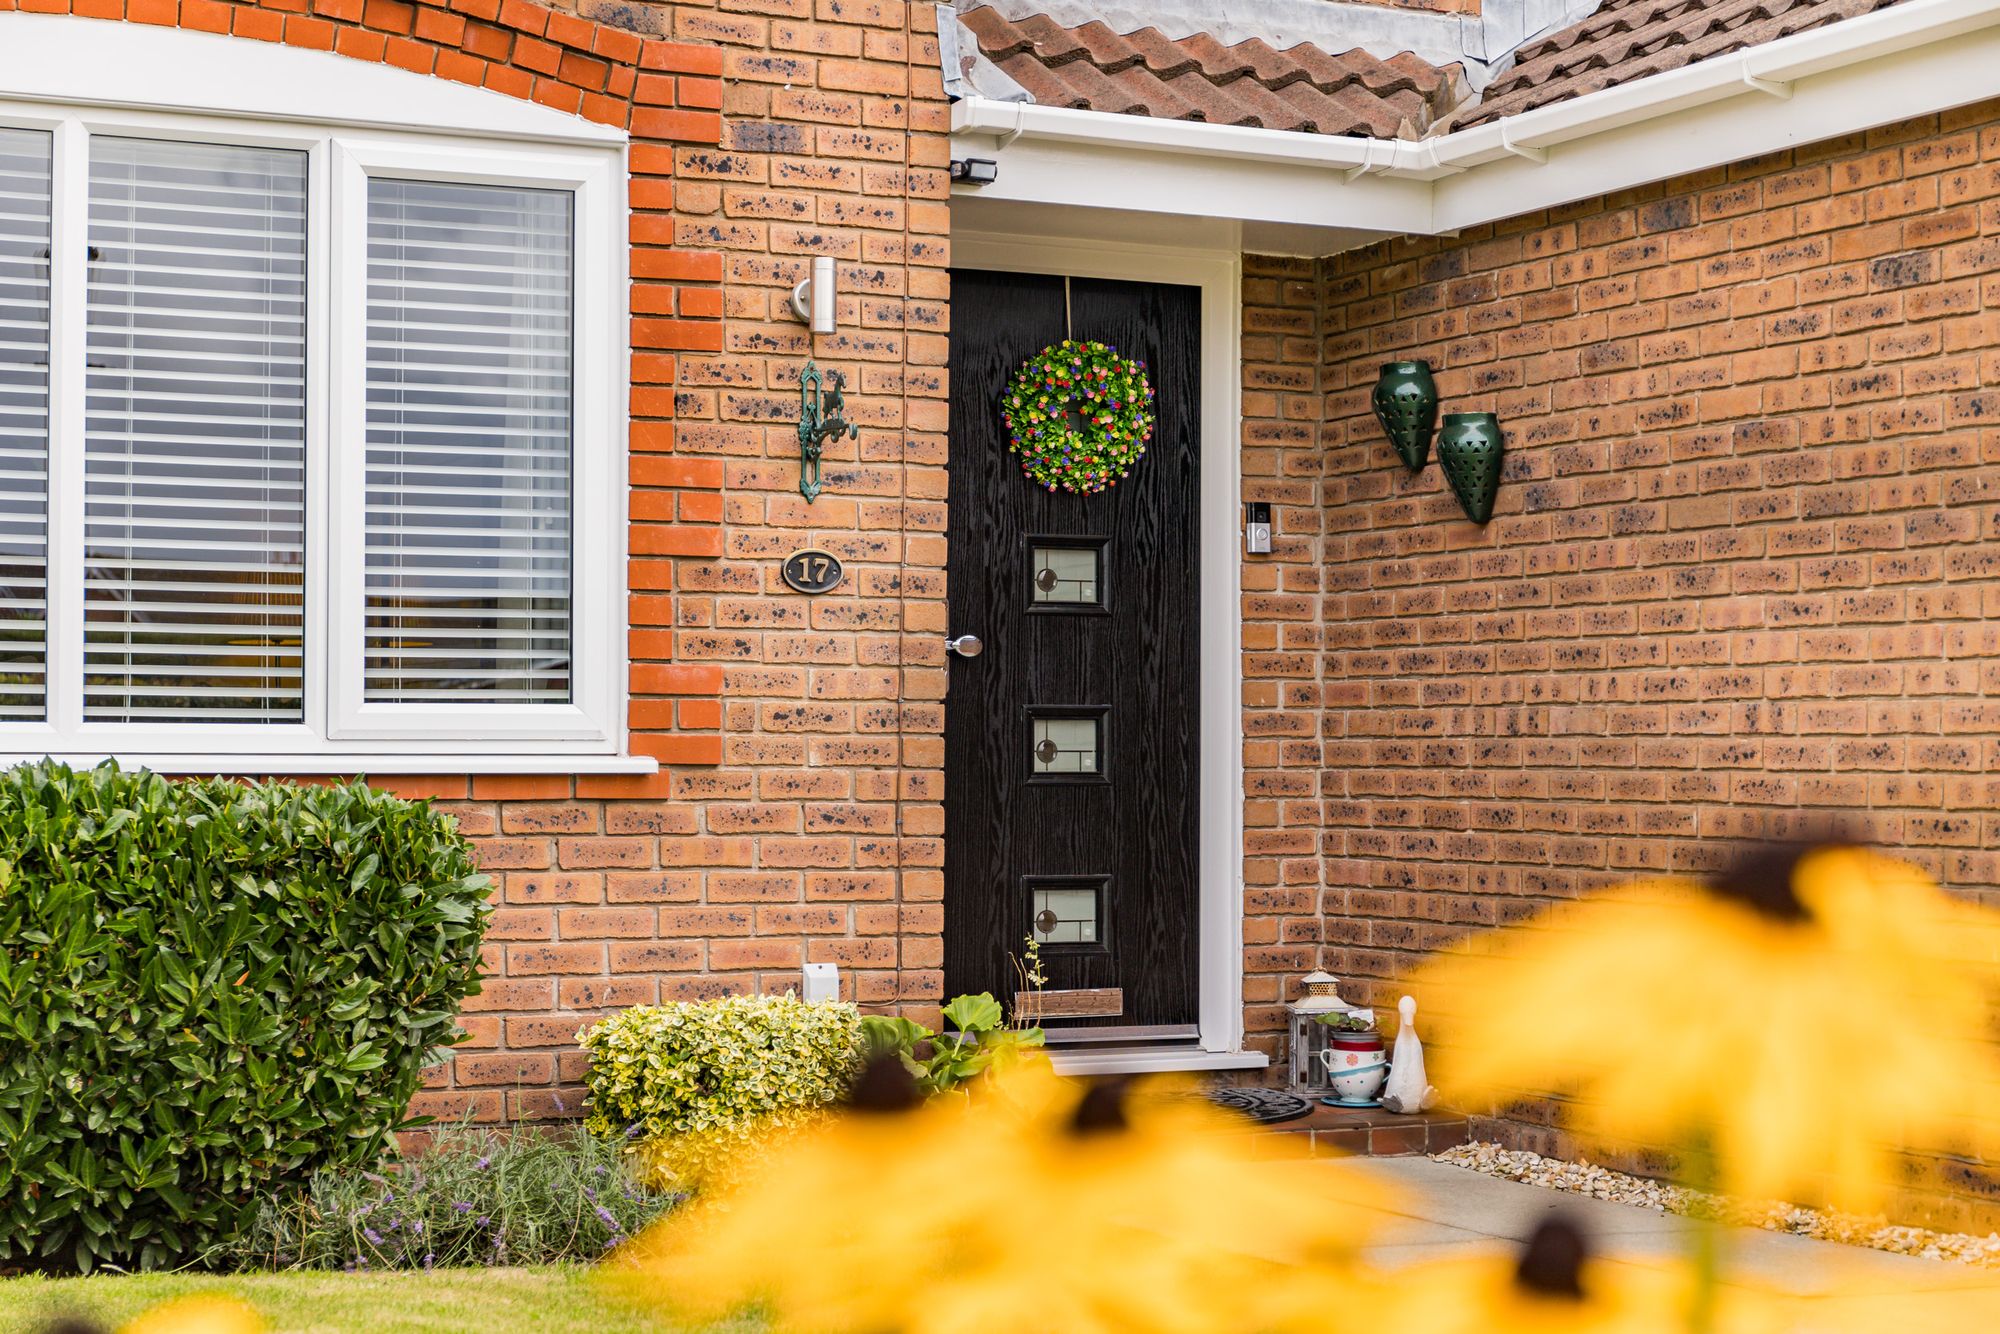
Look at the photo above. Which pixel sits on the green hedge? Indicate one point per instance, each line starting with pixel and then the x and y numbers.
pixel 209 989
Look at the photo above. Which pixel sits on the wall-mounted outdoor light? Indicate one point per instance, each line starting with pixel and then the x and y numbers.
pixel 1469 451
pixel 812 299
pixel 1406 403
pixel 822 417
pixel 975 170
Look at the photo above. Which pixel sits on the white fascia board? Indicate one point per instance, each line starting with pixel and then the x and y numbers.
pixel 1846 100
pixel 1912 59
pixel 56 58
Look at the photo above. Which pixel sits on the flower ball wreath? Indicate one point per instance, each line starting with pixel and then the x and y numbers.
pixel 1079 415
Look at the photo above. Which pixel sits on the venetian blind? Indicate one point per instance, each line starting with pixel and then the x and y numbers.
pixel 195 433
pixel 468 444
pixel 24 423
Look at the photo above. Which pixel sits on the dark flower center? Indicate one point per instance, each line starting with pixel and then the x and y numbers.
pixel 884 1086
pixel 1103 1107
pixel 1761 879
pixel 1552 1262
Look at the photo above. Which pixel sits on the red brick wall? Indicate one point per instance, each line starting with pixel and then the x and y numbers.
pixel 1744 571
pixel 796 816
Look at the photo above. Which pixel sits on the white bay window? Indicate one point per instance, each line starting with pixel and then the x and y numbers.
pixel 311 450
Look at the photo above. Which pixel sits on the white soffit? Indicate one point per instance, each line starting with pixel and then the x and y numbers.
pixel 56 58
pixel 1912 59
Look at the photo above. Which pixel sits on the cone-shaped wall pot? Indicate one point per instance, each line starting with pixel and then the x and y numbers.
pixel 1406 403
pixel 1469 452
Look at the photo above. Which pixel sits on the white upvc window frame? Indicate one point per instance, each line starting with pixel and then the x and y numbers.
pixel 341 732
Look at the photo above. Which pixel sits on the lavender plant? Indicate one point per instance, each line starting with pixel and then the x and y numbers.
pixel 475 1197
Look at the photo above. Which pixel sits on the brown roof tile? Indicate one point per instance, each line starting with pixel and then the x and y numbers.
pixel 1146 73
pixel 1630 39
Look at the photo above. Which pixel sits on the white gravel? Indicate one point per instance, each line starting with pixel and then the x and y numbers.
pixel 1601 1183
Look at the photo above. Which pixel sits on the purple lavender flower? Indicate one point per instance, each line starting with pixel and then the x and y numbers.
pixel 461 1206
pixel 607 1218
pixel 374 1237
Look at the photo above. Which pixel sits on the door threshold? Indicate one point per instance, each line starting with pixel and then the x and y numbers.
pixel 1153 1060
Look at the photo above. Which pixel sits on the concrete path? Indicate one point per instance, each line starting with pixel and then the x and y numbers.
pixel 1442 1211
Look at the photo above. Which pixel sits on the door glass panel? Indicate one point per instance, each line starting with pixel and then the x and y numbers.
pixel 1065 916
pixel 1066 745
pixel 1065 575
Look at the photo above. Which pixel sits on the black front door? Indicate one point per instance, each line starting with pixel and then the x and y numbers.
pixel 1070 741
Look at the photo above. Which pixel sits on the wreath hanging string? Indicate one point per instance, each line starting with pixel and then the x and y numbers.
pixel 1079 416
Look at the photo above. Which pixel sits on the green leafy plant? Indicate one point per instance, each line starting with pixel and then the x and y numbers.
pixel 1346 1023
pixel 473 1197
pixel 942 1062
pixel 693 1081
pixel 209 989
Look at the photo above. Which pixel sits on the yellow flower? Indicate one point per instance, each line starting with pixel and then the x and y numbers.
pixel 1799 1021
pixel 207 1313
pixel 1034 1204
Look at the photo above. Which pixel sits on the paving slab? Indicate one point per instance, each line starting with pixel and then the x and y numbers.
pixel 1441 1212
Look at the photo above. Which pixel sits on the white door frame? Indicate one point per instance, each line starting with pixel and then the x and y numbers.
pixel 1219 275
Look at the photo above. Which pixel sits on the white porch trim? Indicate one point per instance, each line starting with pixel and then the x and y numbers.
pixel 1153 1060
pixel 1218 273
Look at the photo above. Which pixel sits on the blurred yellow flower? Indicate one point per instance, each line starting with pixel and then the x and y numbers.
pixel 207 1313
pixel 1037 1204
pixel 1799 1021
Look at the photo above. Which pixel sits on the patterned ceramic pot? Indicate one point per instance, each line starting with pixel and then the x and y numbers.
pixel 1357 1063
pixel 1469 451
pixel 1406 403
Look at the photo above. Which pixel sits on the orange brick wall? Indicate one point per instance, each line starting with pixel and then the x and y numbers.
pixel 796 816
pixel 1744 572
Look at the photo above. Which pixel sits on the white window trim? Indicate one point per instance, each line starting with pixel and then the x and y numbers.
pixel 341 734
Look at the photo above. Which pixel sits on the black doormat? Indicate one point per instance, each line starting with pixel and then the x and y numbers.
pixel 1264 1106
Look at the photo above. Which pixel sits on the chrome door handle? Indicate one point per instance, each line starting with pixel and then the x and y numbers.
pixel 965 646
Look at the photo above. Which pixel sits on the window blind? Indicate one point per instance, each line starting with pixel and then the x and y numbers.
pixel 24 423
pixel 194 453
pixel 468 444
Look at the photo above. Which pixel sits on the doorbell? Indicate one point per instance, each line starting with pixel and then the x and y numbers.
pixel 1257 527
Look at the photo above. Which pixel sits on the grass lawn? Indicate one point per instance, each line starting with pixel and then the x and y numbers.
pixel 554 1300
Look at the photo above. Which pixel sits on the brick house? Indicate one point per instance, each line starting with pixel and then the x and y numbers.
pixel 411 389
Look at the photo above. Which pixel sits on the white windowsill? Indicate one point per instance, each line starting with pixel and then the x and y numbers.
pixel 1154 1060
pixel 341 765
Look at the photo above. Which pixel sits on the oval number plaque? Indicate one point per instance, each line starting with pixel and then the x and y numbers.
pixel 812 571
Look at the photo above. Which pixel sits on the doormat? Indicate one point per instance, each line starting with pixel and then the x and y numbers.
pixel 1264 1106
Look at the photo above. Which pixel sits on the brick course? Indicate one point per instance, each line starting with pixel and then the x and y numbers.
pixel 1740 578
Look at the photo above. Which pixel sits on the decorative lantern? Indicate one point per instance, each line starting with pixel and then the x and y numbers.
pixel 1469 447
pixel 1319 996
pixel 1406 403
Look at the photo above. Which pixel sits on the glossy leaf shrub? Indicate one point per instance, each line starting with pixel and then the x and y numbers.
pixel 210 989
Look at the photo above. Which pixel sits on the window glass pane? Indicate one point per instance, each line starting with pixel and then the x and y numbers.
pixel 468 543
pixel 24 422
pixel 194 520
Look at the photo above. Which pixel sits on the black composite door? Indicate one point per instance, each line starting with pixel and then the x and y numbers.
pixel 1070 741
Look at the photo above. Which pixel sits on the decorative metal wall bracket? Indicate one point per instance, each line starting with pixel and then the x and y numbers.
pixel 822 408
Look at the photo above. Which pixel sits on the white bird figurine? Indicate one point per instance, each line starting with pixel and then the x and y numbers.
pixel 1407 1090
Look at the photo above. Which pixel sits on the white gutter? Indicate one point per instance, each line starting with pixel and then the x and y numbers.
pixel 1772 70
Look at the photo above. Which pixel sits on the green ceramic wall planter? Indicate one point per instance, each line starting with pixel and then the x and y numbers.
pixel 1469 452
pixel 1406 403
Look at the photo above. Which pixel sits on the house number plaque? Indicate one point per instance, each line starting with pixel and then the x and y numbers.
pixel 812 571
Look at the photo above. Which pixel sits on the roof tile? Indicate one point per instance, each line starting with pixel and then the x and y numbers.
pixel 1632 39
pixel 1146 73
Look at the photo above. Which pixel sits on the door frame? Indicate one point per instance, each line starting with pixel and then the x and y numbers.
pixel 1219 807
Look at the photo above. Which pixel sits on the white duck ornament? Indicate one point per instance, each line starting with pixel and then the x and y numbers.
pixel 1407 1090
